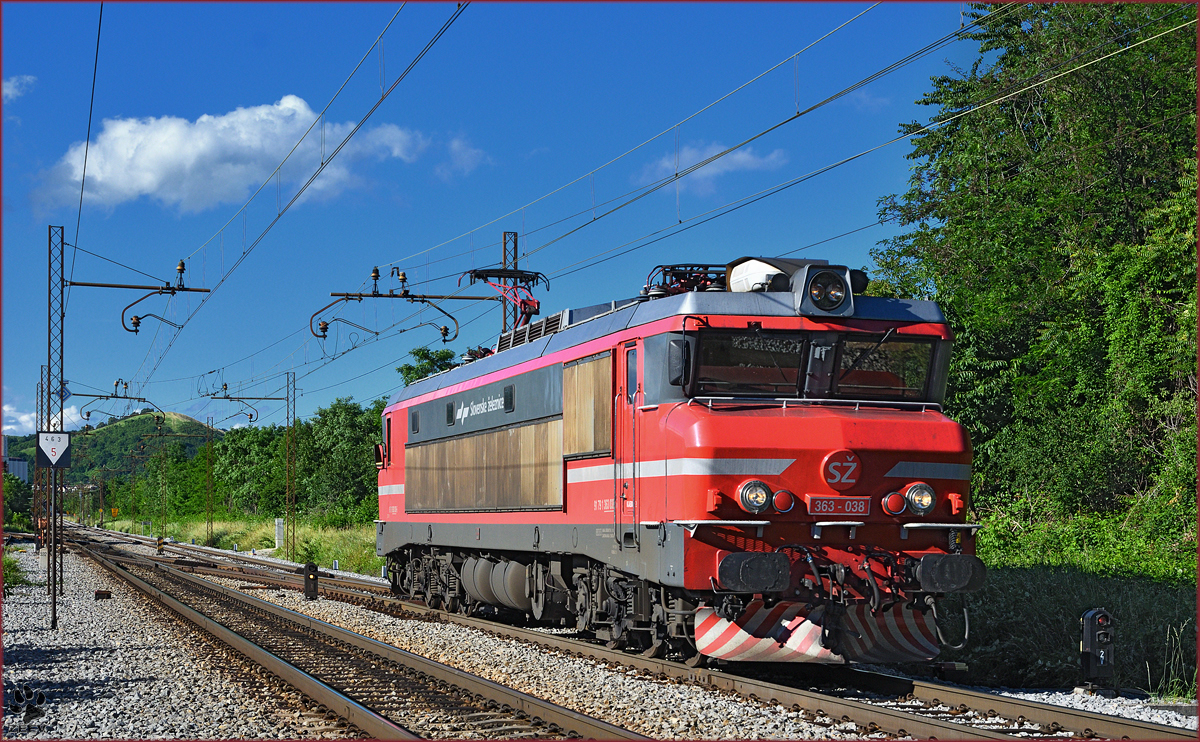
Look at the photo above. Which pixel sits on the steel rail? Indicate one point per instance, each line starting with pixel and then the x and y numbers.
pixel 546 711
pixel 378 727
pixel 1049 716
pixel 870 717
pixel 1088 724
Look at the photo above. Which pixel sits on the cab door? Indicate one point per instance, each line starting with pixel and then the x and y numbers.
pixel 626 432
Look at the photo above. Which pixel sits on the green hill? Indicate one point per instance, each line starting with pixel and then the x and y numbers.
pixel 108 445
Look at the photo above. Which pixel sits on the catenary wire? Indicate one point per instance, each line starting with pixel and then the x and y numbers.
pixel 86 142
pixel 936 123
pixel 646 190
pixel 248 250
pixel 633 149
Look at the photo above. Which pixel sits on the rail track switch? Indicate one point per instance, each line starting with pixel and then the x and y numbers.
pixel 310 581
pixel 1096 645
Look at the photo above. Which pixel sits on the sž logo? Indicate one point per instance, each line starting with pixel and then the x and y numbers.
pixel 841 469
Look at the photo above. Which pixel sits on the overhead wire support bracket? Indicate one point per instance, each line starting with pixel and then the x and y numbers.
pixel 167 288
pixel 322 328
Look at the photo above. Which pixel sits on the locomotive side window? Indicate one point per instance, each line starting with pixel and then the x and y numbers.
pixel 874 368
pixel 387 439
pixel 414 421
pixel 631 374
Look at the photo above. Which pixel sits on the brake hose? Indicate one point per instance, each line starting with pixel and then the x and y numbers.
pixel 929 601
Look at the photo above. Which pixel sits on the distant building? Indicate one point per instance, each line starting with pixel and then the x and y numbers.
pixel 19 468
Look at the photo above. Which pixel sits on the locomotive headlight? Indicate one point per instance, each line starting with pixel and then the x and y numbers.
pixel 754 496
pixel 827 290
pixel 921 498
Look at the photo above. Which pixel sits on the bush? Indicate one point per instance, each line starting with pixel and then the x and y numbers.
pixel 13 574
pixel 1025 629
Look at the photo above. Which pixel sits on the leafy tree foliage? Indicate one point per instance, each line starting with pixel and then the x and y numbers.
pixel 428 362
pixel 18 497
pixel 1057 228
pixel 334 480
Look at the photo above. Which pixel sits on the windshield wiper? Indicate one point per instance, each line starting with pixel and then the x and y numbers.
pixel 864 356
pixel 767 347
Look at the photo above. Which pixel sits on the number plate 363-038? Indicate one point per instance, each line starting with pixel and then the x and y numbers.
pixel 838 505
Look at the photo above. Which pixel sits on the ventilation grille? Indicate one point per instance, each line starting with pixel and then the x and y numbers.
pixel 532 331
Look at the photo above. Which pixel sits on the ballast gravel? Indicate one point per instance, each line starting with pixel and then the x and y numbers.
pixel 1123 706
pixel 654 708
pixel 123 668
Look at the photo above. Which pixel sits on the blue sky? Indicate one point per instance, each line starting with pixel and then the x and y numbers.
pixel 196 104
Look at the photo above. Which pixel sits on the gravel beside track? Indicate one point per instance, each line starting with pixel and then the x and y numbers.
pixel 1129 707
pixel 656 708
pixel 124 668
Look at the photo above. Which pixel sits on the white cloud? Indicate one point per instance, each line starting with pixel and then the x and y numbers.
pixel 463 159
pixel 702 180
pixel 24 423
pixel 864 101
pixel 18 423
pixel 16 86
pixel 222 159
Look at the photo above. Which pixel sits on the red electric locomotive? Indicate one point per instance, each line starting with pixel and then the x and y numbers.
pixel 747 462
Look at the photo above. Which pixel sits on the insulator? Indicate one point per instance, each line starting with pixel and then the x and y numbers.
pixel 136 322
pixel 323 326
pixel 375 273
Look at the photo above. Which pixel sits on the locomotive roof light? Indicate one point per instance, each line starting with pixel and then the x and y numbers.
pixel 827 290
pixel 754 496
pixel 921 498
pixel 783 501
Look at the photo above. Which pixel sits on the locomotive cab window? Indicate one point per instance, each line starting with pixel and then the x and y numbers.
pixel 863 366
pixel 755 363
pixel 883 367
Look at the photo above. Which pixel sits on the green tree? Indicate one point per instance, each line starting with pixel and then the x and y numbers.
pixel 1038 223
pixel 337 467
pixel 18 496
pixel 428 362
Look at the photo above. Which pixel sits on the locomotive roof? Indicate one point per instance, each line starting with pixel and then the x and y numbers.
pixel 589 323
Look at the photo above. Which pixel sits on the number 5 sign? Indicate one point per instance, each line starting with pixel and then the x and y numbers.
pixel 54 450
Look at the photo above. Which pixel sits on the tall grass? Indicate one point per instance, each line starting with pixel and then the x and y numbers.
pixel 353 546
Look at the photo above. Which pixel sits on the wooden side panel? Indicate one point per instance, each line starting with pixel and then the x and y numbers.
pixel 518 468
pixel 587 407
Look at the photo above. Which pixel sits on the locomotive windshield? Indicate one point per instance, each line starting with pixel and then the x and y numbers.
pixel 752 363
pixel 764 363
pixel 892 369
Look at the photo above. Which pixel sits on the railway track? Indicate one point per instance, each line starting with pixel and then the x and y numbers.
pixel 383 691
pixel 897 706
